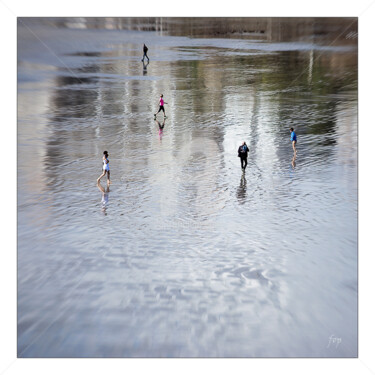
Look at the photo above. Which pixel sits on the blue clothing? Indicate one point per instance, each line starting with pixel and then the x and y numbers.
pixel 293 136
pixel 242 151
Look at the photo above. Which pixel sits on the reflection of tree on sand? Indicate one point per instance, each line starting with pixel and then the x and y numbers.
pixel 199 163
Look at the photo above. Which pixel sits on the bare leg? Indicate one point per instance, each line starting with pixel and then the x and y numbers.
pixel 108 178
pixel 294 147
pixel 102 175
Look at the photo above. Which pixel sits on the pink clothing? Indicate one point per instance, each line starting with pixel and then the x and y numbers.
pixel 161 101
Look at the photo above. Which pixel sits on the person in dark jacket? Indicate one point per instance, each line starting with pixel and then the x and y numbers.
pixel 145 49
pixel 242 153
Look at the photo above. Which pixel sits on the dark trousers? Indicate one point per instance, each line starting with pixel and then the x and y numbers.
pixel 243 163
pixel 145 55
pixel 161 108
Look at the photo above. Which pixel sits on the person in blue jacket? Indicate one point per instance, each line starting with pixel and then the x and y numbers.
pixel 242 153
pixel 293 138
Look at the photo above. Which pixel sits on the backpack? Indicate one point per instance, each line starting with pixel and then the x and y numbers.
pixel 241 150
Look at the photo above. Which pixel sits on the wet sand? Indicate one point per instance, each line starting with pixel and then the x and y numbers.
pixel 185 256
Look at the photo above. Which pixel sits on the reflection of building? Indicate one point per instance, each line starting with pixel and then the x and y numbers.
pixel 32 125
pixel 347 131
pixel 103 100
pixel 275 29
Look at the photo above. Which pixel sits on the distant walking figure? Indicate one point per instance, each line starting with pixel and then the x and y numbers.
pixel 161 106
pixel 105 168
pixel 145 49
pixel 293 138
pixel 242 153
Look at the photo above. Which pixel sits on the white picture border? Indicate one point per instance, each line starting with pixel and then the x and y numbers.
pixel 10 10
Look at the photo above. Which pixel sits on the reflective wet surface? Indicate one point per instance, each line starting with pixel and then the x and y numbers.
pixel 184 255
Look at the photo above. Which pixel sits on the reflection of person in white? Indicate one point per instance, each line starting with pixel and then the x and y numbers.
pixel 161 106
pixel 105 168
pixel 105 194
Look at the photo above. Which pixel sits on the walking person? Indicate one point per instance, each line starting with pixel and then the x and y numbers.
pixel 242 153
pixel 105 169
pixel 293 138
pixel 145 49
pixel 161 106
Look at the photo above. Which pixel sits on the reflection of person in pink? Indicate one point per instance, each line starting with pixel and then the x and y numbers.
pixel 161 127
pixel 161 106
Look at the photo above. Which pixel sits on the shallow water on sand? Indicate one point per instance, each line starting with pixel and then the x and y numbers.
pixel 185 255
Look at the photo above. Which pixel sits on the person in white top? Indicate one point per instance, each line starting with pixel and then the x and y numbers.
pixel 105 168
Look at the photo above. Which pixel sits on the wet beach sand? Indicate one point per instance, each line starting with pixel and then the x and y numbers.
pixel 185 255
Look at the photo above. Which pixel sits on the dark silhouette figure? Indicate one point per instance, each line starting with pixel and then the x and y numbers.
pixel 145 49
pixel 242 154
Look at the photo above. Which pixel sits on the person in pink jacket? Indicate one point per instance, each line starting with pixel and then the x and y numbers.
pixel 161 106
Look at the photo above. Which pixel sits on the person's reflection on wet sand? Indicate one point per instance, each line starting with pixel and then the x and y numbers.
pixel 105 196
pixel 294 160
pixel 241 190
pixel 145 68
pixel 161 127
